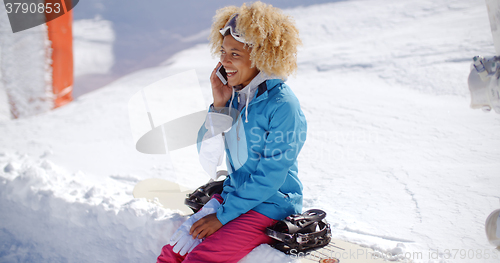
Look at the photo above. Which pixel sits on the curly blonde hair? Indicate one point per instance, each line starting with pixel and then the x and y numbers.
pixel 272 34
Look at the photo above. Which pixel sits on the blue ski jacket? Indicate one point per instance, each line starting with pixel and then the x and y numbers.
pixel 261 154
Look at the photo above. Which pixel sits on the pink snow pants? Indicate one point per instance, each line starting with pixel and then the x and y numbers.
pixel 230 243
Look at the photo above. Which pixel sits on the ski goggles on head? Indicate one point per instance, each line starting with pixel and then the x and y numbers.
pixel 231 26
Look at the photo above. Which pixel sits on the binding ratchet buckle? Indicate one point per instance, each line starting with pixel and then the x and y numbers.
pixel 484 84
pixel 301 232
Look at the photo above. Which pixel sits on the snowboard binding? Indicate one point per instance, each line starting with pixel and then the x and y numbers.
pixel 301 232
pixel 199 197
pixel 484 85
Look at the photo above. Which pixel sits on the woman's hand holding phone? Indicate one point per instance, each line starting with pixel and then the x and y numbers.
pixel 221 93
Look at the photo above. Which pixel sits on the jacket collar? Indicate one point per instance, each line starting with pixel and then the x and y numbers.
pixel 251 91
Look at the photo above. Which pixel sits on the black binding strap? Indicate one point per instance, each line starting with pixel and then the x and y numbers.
pixel 301 232
pixel 197 199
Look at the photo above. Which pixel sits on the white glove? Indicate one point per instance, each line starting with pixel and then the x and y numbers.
pixel 212 145
pixel 182 241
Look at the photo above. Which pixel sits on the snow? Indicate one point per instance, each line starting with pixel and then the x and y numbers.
pixel 29 90
pixel 147 34
pixel 4 103
pixel 394 154
pixel 93 46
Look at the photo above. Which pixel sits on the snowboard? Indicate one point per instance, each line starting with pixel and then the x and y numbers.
pixel 340 251
pixel 168 194
pixel 171 195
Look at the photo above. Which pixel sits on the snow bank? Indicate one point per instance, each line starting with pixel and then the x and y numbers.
pixel 52 215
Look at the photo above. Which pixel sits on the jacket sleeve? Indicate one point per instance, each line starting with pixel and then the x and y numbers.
pixel 281 148
pixel 203 129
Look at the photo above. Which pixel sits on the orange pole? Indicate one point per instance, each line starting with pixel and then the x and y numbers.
pixel 61 37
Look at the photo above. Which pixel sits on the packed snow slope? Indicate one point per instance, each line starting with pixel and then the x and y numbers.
pixel 394 154
pixel 144 34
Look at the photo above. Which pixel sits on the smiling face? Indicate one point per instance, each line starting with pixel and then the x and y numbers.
pixel 236 60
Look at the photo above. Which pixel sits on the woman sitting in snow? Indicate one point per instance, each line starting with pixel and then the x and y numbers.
pixel 257 45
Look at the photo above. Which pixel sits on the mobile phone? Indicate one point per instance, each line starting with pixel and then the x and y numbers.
pixel 221 73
